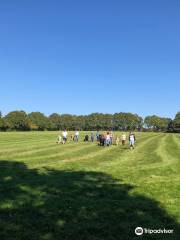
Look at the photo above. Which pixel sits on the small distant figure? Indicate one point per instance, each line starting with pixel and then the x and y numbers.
pixel 132 140
pixel 117 141
pixel 102 140
pixel 97 136
pixel 86 138
pixel 92 137
pixel 64 135
pixel 72 137
pixel 111 138
pixel 76 136
pixel 123 139
pixel 108 139
pixel 59 139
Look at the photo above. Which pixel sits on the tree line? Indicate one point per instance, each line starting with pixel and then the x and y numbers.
pixel 37 121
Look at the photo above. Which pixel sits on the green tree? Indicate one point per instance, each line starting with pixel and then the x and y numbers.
pixel 68 121
pixel 56 121
pixel 40 121
pixel 17 120
pixel 127 121
pixel 176 123
pixel 4 126
pixel 157 123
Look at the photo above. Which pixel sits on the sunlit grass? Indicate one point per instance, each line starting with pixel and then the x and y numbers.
pixel 83 191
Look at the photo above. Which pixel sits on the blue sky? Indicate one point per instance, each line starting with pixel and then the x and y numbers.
pixel 90 56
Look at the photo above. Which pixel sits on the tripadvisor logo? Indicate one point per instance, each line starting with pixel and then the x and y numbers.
pixel 140 231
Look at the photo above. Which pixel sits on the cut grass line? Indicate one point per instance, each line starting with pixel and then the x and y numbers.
pixel 38 150
pixel 22 142
pixel 58 156
pixel 87 156
pixel 121 161
pixel 162 148
pixel 172 149
pixel 32 150
pixel 25 148
pixel 106 153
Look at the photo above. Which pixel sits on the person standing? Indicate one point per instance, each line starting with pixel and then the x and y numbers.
pixel 92 137
pixel 132 140
pixel 64 135
pixel 72 137
pixel 86 138
pixel 102 140
pixel 123 139
pixel 111 138
pixel 117 141
pixel 59 140
pixel 108 139
pixel 76 139
pixel 97 136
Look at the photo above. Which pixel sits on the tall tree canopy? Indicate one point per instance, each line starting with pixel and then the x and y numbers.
pixel 176 123
pixel 56 121
pixel 39 121
pixel 19 120
pixel 157 123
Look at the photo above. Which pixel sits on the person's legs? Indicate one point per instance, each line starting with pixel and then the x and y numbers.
pixel 132 144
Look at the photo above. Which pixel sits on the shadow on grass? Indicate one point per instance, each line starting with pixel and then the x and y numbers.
pixel 69 205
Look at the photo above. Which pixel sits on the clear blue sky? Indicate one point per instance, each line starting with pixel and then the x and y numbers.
pixel 90 56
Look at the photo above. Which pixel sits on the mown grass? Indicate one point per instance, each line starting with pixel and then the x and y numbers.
pixel 81 191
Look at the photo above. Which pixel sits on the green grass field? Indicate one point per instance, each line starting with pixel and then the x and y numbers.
pixel 81 191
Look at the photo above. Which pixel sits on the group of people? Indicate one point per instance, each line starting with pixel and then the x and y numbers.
pixel 62 138
pixel 103 139
pixel 108 139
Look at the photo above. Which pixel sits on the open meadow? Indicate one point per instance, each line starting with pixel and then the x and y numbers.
pixel 81 191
